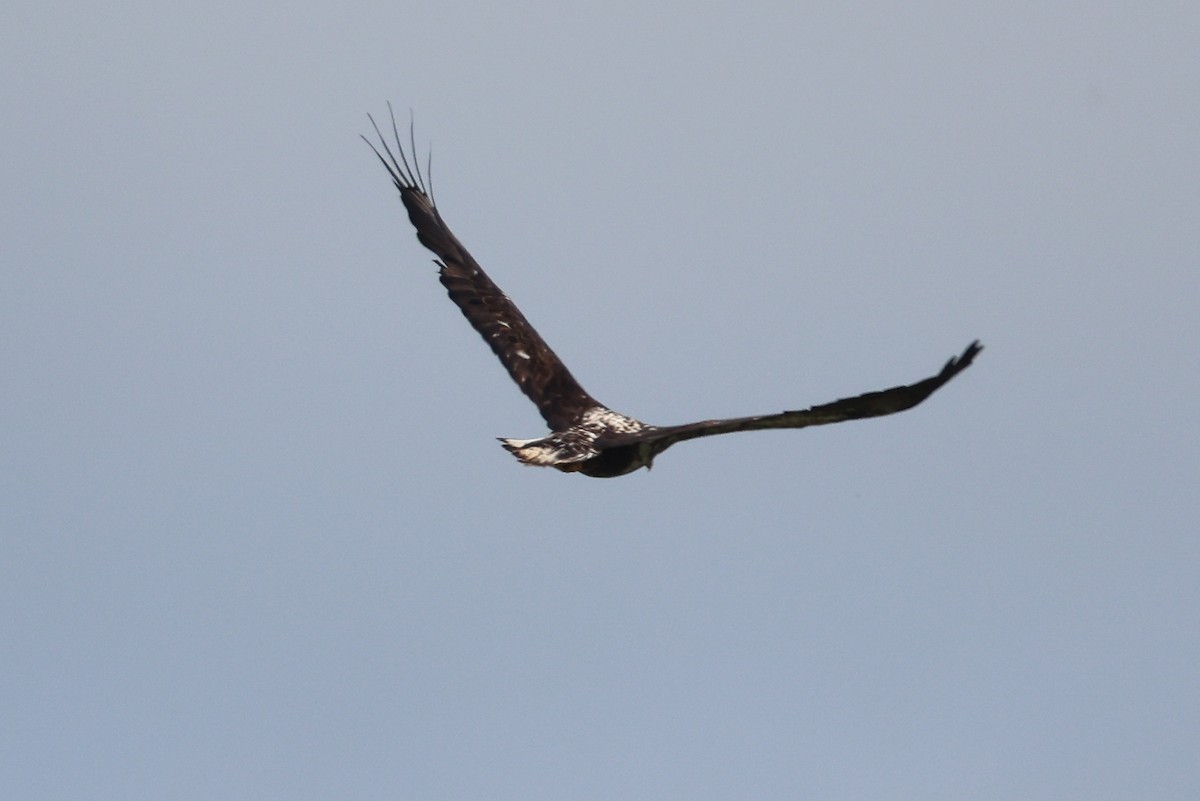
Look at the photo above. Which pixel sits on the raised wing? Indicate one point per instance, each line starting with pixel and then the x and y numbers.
pixel 872 404
pixel 536 369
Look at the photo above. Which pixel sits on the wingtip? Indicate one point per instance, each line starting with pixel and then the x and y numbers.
pixel 961 362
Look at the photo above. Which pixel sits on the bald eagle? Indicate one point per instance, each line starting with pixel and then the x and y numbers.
pixel 585 435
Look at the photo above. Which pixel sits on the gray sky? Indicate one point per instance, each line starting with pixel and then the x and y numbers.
pixel 259 541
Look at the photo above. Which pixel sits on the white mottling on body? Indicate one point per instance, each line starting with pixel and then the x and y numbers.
pixel 604 419
pixel 577 443
pixel 541 455
pixel 559 448
pixel 522 354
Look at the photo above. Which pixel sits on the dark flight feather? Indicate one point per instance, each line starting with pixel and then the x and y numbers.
pixel 870 404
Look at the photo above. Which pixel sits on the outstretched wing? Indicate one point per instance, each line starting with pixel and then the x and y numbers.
pixel 538 372
pixel 872 404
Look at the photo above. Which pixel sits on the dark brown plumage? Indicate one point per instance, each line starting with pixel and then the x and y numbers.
pixel 586 436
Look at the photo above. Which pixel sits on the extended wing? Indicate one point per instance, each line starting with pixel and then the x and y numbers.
pixel 538 372
pixel 871 404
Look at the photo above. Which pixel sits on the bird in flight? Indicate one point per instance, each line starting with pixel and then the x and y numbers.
pixel 585 435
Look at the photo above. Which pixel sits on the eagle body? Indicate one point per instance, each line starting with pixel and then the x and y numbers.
pixel 586 436
pixel 581 448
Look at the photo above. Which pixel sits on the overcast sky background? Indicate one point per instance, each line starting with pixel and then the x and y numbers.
pixel 258 539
